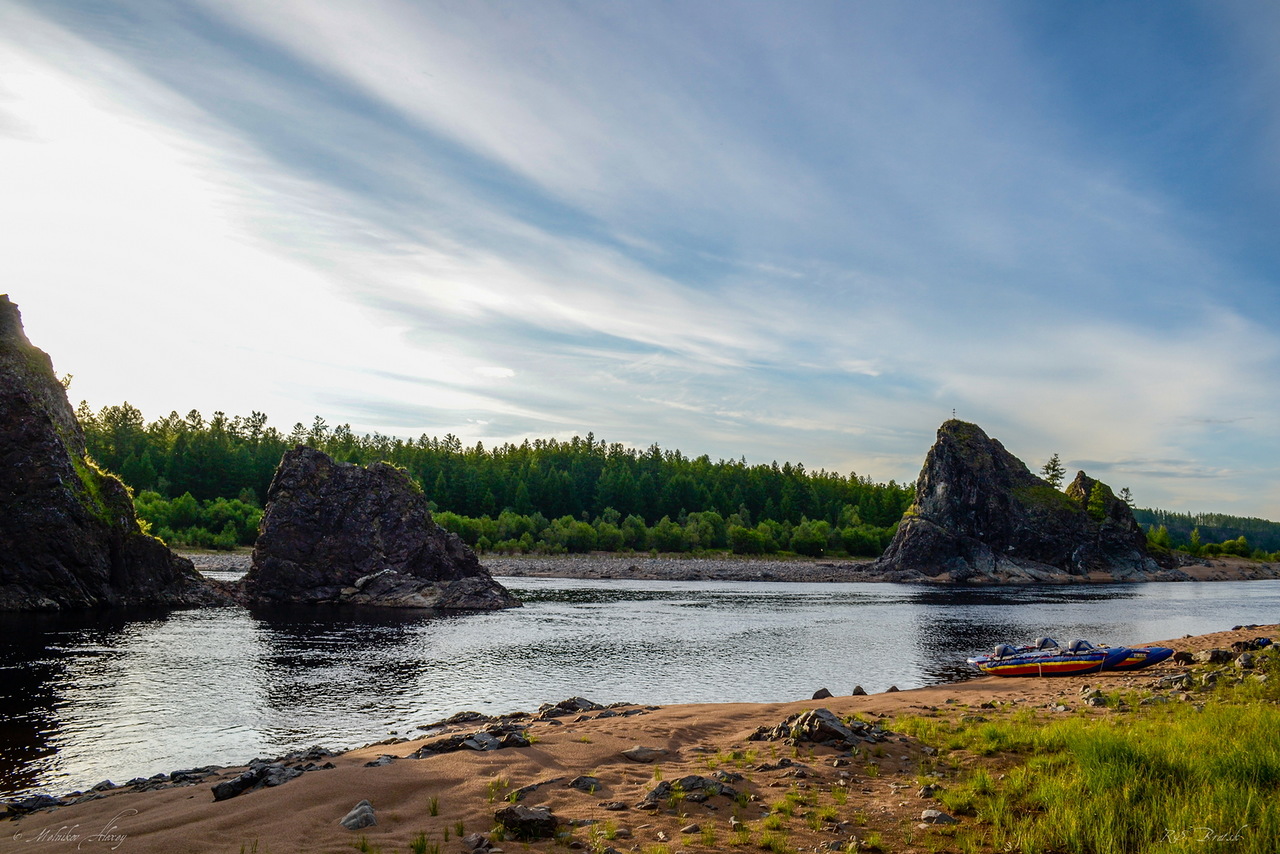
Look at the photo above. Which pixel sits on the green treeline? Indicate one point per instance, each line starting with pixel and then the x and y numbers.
pixel 198 482
pixel 1211 533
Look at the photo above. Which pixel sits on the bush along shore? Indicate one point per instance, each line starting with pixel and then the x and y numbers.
pixel 1182 758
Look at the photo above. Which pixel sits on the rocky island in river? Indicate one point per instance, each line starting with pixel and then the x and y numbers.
pixel 338 533
pixel 69 537
pixel 981 516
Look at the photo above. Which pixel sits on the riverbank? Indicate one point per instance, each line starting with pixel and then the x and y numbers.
pixel 876 787
pixel 679 568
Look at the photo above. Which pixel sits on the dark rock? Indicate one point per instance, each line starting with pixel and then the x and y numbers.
pixel 259 774
pixel 361 816
pixel 612 806
pixel 236 786
pixel 585 784
pixel 462 718
pixel 579 704
pixel 892 689
pixel 818 726
pixel 821 694
pixel 1180 681
pixel 980 516
pixel 1212 656
pixel 858 691
pixel 937 817
pixel 68 532
pixel 493 737
pixel 527 823
pixel 1183 657
pixel 342 533
pixel 476 842
pixel 314 753
pixel 692 787
pixel 33 803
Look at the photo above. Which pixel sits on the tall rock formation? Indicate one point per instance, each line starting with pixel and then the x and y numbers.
pixel 981 516
pixel 341 533
pixel 68 534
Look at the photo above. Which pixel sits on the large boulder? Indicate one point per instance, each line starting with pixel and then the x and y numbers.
pixel 69 537
pixel 981 516
pixel 341 533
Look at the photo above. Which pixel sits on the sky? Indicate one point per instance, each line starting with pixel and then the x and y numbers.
pixel 800 231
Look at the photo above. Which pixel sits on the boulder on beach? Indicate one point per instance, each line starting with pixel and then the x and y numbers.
pixel 346 534
pixel 69 537
pixel 981 516
pixel 527 823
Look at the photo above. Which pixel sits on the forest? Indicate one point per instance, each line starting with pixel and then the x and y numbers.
pixel 1199 533
pixel 201 483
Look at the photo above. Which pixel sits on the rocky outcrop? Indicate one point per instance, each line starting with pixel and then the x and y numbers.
pixel 981 516
pixel 341 533
pixel 69 537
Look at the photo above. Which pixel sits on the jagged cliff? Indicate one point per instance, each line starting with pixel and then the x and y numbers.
pixel 981 516
pixel 341 533
pixel 68 534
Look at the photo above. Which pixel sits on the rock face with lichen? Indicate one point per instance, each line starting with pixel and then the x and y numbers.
pixel 346 534
pixel 69 537
pixel 981 516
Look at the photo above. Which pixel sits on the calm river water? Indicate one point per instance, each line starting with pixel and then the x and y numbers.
pixel 87 699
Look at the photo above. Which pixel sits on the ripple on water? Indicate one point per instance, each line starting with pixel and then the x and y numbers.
pixel 127 695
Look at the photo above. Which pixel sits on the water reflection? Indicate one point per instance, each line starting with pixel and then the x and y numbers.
pixel 41 655
pixel 86 698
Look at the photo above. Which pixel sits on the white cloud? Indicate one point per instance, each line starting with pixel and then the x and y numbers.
pixel 795 241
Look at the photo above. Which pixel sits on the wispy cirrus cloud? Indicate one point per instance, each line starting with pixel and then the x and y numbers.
pixel 766 233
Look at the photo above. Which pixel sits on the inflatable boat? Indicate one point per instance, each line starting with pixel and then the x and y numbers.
pixel 1046 658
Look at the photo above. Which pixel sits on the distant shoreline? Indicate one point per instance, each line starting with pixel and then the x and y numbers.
pixel 645 567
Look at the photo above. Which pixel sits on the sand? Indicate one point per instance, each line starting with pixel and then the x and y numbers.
pixel 466 787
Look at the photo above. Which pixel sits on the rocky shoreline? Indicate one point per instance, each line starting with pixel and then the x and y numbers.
pixel 645 567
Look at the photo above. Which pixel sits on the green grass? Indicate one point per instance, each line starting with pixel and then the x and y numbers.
pixel 775 841
pixel 708 835
pixel 495 786
pixel 1165 778
pixel 421 845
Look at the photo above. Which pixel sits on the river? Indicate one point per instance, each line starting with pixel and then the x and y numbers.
pixel 88 698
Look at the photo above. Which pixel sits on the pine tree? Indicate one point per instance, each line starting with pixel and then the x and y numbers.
pixel 1053 472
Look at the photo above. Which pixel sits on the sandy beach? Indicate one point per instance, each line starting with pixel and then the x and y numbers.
pixel 449 795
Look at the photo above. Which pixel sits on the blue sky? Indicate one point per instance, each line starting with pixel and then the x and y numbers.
pixel 791 231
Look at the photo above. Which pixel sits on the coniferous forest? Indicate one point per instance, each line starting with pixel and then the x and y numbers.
pixel 201 482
